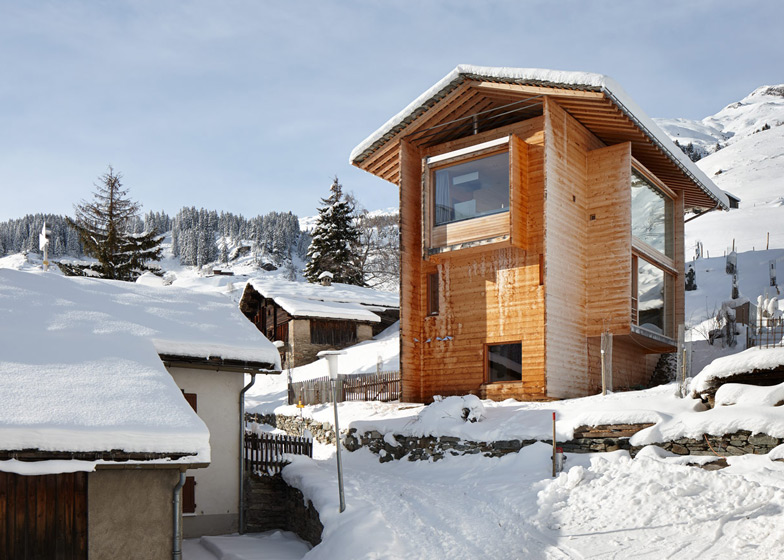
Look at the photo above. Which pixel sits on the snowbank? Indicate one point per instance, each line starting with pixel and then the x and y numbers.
pixel 742 362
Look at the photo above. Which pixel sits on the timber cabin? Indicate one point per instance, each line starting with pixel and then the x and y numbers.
pixel 538 209
pixel 310 318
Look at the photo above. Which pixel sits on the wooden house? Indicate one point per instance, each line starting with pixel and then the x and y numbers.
pixel 310 318
pixel 538 210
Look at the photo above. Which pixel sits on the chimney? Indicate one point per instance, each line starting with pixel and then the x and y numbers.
pixel 325 278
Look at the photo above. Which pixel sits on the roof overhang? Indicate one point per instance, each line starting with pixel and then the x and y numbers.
pixel 476 98
pixel 216 363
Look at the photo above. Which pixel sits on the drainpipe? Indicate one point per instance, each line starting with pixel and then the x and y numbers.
pixel 241 527
pixel 176 541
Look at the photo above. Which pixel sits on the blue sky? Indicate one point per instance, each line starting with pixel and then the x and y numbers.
pixel 252 106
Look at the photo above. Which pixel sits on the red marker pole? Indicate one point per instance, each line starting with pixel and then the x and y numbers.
pixel 553 444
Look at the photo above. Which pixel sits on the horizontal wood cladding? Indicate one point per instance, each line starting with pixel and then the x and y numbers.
pixel 487 294
pixel 412 289
pixel 608 251
pixel 567 144
pixel 465 231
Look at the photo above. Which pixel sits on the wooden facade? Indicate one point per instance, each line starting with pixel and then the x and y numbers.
pixel 554 271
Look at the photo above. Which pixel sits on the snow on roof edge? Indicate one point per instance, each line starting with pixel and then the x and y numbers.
pixel 552 77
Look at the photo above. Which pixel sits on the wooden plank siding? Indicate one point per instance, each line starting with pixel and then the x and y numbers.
pixel 487 295
pixel 562 275
pixel 43 516
pixel 608 251
pixel 567 144
pixel 411 308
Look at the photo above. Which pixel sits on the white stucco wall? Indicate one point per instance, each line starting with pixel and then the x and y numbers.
pixel 217 486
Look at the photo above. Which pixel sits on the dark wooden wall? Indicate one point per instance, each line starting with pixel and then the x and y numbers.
pixel 43 516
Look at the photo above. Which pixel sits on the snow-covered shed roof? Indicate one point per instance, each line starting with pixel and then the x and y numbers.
pixel 536 77
pixel 337 301
pixel 80 374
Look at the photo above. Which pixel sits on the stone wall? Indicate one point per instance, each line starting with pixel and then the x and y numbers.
pixel 587 439
pixel 741 442
pixel 322 432
pixel 273 504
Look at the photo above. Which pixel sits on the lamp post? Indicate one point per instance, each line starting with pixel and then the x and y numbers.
pixel 332 362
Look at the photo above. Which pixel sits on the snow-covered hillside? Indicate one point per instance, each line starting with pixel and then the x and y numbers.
pixel 750 165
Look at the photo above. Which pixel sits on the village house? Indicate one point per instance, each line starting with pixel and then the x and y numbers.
pixel 118 399
pixel 309 318
pixel 538 210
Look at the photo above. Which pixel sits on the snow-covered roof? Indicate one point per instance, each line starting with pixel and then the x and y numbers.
pixel 337 301
pixel 177 321
pixel 80 373
pixel 543 77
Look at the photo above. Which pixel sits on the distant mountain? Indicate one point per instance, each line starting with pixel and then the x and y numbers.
pixel 749 163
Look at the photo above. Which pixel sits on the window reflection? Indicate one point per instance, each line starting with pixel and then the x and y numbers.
pixel 651 215
pixel 652 298
pixel 475 188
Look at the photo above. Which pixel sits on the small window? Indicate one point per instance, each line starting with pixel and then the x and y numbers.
pixel 505 362
pixel 192 400
pixel 475 188
pixel 432 293
pixel 189 495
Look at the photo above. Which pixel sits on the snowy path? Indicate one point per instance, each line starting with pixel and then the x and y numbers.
pixel 473 507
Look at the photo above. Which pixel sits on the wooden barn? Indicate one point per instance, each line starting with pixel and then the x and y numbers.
pixel 538 209
pixel 310 318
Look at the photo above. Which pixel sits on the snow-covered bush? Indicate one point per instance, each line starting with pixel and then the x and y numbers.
pixel 468 408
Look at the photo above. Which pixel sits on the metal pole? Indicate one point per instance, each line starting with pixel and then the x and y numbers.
pixel 604 376
pixel 337 445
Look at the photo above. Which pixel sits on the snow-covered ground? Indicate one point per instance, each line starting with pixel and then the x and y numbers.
pixel 607 506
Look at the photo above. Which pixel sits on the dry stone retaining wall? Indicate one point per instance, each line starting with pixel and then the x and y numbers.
pixel 587 439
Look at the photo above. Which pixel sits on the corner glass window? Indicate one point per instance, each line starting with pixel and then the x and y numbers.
pixel 475 188
pixel 652 220
pixel 505 362
pixel 653 298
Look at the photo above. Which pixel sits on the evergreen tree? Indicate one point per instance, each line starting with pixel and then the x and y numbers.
pixel 105 227
pixel 334 247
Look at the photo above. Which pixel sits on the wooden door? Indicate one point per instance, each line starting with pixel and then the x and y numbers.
pixel 43 517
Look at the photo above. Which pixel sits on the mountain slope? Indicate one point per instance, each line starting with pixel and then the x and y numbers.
pixel 750 165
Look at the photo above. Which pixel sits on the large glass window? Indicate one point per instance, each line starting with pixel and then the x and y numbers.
pixel 479 187
pixel 651 215
pixel 505 362
pixel 652 288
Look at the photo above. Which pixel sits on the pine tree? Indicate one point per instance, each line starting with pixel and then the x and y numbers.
pixel 105 229
pixel 334 247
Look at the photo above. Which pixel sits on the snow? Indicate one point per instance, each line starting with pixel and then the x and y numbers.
pixel 80 371
pixel 272 545
pixel 749 165
pixel 552 77
pixel 335 293
pixel 607 506
pixel 301 307
pixel 750 359
pixel 37 468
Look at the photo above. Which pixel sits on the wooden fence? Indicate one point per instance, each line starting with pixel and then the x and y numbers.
pixel 264 452
pixel 769 335
pixel 382 386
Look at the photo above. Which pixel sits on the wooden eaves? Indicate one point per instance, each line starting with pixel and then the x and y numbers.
pixel 595 108
pixel 216 363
